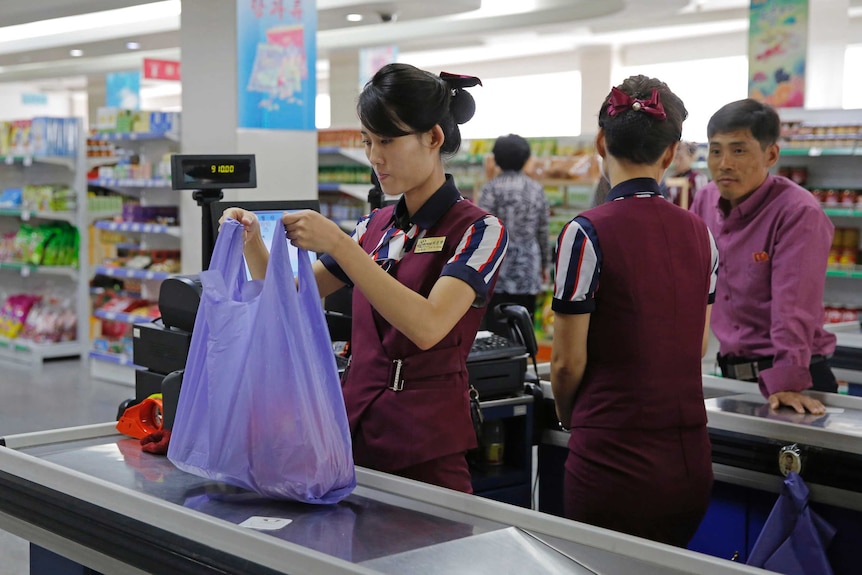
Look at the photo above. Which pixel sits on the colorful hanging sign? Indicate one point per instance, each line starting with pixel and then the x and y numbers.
pixel 161 69
pixel 777 48
pixel 277 62
pixel 372 59
pixel 123 90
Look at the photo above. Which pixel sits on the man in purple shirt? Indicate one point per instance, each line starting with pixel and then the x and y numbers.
pixel 774 240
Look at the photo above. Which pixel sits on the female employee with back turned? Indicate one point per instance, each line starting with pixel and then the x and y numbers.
pixel 635 280
pixel 422 270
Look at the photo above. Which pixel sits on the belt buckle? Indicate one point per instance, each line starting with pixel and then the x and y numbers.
pixel 745 371
pixel 397 381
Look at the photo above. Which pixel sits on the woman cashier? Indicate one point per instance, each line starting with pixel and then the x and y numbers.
pixel 635 280
pixel 423 269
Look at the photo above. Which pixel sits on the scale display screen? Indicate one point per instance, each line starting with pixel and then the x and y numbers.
pixel 203 172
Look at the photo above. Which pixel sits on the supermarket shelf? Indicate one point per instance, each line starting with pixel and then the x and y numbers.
pixel 138 227
pixel 135 136
pixel 846 212
pixel 26 214
pixel 96 161
pixel 852 273
pixel 130 182
pixel 66 162
pixel 356 155
pixel 121 316
pixel 100 215
pixel 855 151
pixel 23 351
pixel 27 269
pixel 358 191
pixel 131 273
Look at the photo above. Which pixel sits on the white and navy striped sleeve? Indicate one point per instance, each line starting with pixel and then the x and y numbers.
pixel 358 233
pixel 578 265
pixel 713 276
pixel 478 256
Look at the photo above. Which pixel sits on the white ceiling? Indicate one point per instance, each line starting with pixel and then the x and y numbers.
pixel 440 31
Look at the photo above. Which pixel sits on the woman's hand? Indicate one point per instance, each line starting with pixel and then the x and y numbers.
pixel 251 227
pixel 312 231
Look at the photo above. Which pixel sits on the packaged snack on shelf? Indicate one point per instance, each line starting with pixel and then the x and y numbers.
pixel 51 320
pixel 14 313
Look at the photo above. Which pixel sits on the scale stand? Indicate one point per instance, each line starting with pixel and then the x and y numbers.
pixel 204 198
pixel 207 175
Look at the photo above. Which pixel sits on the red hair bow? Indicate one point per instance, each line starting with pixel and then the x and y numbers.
pixel 620 102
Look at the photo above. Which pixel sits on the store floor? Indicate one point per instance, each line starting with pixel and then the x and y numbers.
pixel 60 394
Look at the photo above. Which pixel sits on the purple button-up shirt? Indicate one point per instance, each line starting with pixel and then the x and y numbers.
pixel 774 248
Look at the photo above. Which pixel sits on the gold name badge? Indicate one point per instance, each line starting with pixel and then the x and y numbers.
pixel 426 245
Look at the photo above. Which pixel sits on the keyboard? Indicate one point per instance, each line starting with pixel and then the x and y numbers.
pixel 494 347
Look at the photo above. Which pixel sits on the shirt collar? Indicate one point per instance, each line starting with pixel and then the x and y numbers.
pixel 634 186
pixel 751 203
pixel 431 211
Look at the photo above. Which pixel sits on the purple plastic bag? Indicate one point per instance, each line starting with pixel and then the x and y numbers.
pixel 261 405
pixel 794 539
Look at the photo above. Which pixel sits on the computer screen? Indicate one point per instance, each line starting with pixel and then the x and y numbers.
pixel 269 214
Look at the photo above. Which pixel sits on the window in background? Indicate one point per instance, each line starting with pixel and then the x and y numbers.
pixel 704 86
pixel 852 97
pixel 540 105
pixel 322 113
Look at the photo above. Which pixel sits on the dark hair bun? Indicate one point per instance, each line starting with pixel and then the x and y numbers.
pixel 463 105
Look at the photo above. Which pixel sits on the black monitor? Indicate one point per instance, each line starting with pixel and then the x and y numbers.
pixel 269 214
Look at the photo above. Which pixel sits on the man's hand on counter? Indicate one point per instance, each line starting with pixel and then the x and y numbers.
pixel 798 401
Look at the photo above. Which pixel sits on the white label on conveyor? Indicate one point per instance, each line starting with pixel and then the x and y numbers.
pixel 265 523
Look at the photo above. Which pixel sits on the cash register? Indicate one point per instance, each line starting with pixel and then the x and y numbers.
pixel 497 365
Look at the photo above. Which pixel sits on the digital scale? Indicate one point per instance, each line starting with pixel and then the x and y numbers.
pixel 208 175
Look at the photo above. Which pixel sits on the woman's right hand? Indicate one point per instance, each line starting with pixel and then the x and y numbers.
pixel 248 219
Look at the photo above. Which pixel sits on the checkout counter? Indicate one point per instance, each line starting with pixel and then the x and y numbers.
pixel 748 442
pixel 93 497
pixel 846 362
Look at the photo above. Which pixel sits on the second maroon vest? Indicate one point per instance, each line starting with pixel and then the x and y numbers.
pixel 644 344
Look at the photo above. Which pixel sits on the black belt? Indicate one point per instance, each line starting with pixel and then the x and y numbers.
pixel 748 368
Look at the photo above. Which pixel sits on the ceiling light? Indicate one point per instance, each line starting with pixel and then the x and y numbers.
pixel 75 53
pixel 132 45
pixel 354 17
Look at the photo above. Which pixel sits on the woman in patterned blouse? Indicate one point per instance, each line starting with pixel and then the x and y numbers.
pixel 520 202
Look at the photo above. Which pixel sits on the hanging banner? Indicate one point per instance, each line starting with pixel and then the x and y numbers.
pixel 161 69
pixel 277 62
pixel 123 90
pixel 372 59
pixel 777 47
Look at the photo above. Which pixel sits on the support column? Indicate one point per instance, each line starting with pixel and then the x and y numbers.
pixel 598 67
pixel 96 96
pixel 343 88
pixel 286 159
pixel 828 32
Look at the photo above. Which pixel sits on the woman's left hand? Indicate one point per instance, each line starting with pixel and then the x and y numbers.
pixel 312 231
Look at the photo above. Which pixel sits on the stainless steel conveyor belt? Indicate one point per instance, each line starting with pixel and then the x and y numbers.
pixel 91 495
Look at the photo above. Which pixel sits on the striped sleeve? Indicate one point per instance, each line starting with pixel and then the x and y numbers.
pixel 713 276
pixel 579 262
pixel 478 256
pixel 358 234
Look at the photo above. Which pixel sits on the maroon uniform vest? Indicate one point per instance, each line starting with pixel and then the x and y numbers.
pixel 644 345
pixel 430 416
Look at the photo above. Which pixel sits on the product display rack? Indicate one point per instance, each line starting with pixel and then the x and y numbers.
pixel 821 149
pixel 344 177
pixel 36 169
pixel 147 191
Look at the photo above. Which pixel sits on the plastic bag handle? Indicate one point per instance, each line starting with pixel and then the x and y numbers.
pixel 227 257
